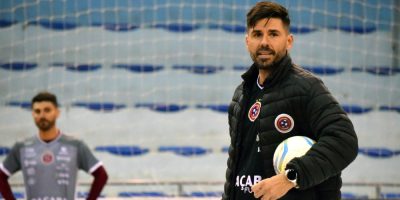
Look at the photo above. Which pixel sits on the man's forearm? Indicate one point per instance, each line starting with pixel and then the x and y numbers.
pixel 5 188
pixel 100 179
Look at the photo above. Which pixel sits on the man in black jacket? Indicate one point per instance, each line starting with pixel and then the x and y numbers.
pixel 278 100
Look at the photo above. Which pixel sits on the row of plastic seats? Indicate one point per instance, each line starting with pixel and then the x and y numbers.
pixel 142 194
pixel 122 150
pixel 20 195
pixel 196 151
pixel 175 27
pixel 160 107
pixel 127 194
pixel 136 150
pixel 197 69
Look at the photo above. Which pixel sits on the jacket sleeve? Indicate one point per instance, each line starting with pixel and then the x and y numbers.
pixel 233 112
pixel 336 141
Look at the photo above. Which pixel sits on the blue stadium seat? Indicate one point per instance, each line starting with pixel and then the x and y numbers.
pixel 348 195
pixel 390 108
pixel 232 28
pixel 240 68
pixel 17 195
pixel 56 25
pixel 225 149
pixel 139 67
pixel 390 195
pixel 77 67
pixel 22 104
pixel 203 194
pixel 176 27
pixel 18 66
pixel 383 71
pixel 123 150
pixel 84 195
pixel 324 70
pixel 185 150
pixel 199 69
pixel 4 150
pixel 142 194
pixel 118 27
pixel 355 29
pixel 356 109
pixel 99 106
pixel 301 30
pixel 162 107
pixel 6 23
pixel 217 107
pixel 378 152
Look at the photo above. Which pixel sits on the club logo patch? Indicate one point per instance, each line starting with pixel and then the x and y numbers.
pixel 284 123
pixel 254 111
pixel 47 158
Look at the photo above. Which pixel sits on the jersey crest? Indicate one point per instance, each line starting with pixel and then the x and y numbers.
pixel 254 111
pixel 47 157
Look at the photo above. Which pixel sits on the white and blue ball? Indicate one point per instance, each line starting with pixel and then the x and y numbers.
pixel 290 148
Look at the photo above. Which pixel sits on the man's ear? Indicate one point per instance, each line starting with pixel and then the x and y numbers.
pixel 58 111
pixel 289 42
pixel 247 41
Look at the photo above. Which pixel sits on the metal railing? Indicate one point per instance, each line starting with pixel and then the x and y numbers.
pixel 181 184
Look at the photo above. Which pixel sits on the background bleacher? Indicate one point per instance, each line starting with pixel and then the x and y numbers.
pixel 146 84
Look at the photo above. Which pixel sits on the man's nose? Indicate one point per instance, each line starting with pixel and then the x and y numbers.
pixel 41 115
pixel 264 41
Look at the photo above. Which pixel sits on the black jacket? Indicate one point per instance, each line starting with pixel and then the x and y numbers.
pixel 291 90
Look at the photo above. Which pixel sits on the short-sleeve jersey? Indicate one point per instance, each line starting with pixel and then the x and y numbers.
pixel 50 169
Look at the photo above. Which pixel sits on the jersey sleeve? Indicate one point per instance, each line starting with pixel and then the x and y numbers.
pixel 86 160
pixel 12 162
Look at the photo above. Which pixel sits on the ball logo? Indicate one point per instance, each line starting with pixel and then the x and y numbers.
pixel 284 123
pixel 47 158
pixel 254 111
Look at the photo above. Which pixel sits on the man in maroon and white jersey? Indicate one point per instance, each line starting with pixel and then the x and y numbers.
pixel 50 160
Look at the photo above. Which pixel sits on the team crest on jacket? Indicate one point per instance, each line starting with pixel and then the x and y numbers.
pixel 284 123
pixel 254 111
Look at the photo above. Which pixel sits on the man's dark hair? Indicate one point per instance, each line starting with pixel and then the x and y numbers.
pixel 267 10
pixel 45 96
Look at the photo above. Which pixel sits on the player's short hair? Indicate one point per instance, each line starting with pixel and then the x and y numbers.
pixel 45 96
pixel 267 10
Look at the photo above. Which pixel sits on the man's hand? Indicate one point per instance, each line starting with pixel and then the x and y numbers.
pixel 272 188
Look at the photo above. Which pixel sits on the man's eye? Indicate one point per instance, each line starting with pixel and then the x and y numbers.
pixel 273 34
pixel 256 35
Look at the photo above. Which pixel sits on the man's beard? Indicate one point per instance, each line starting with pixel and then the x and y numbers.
pixel 45 125
pixel 266 64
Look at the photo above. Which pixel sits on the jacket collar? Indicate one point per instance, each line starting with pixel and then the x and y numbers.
pixel 279 71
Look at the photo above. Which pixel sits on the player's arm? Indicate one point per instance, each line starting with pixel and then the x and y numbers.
pixel 5 188
pixel 89 163
pixel 100 179
pixel 10 165
pixel 336 141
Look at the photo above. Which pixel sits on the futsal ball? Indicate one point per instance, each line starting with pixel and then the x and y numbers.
pixel 290 148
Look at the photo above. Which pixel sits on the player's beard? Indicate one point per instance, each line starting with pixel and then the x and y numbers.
pixel 266 63
pixel 45 125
